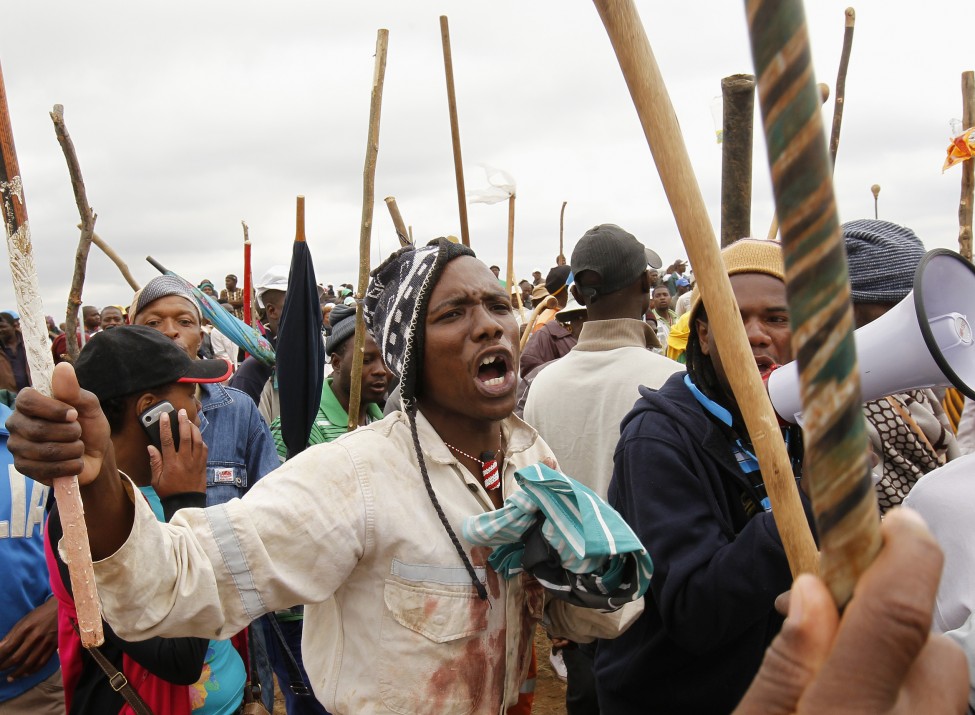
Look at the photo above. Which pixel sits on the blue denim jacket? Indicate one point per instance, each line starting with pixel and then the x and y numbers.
pixel 241 450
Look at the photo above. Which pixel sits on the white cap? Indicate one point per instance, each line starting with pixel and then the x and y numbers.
pixel 275 278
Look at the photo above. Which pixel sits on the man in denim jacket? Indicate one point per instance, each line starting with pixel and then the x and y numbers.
pixel 239 444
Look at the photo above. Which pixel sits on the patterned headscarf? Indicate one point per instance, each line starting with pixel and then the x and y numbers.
pixel 396 306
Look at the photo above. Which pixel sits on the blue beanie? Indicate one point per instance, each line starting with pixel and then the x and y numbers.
pixel 883 258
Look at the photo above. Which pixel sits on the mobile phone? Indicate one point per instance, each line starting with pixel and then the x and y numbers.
pixel 150 423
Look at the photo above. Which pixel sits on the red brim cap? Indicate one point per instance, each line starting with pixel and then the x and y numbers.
pixel 215 370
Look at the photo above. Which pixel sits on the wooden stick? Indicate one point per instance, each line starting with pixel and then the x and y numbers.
pixel 738 94
pixel 875 190
pixel 967 202
pixel 511 245
pixel 248 288
pixel 838 103
pixel 114 258
pixel 39 358
pixel 774 228
pixel 562 230
pixel 448 64
pixel 398 223
pixel 549 302
pixel 87 230
pixel 673 164
pixel 368 199
pixel 836 470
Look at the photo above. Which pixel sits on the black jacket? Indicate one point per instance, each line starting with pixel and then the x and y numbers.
pixel 709 615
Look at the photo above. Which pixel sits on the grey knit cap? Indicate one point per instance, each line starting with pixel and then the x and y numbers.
pixel 396 306
pixel 883 258
pixel 160 287
pixel 342 320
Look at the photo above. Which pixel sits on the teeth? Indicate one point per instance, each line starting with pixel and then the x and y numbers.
pixel 487 361
pixel 494 381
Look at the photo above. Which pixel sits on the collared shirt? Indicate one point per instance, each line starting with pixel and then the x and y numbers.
pixel 392 622
pixel 606 367
pixel 331 421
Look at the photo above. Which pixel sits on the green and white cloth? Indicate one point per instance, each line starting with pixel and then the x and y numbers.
pixel 575 544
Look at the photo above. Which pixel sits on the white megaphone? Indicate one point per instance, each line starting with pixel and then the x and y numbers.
pixel 923 341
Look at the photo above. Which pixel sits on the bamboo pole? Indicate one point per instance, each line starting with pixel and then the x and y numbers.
pixel 738 95
pixel 41 362
pixel 368 199
pixel 673 164
pixel 87 229
pixel 398 223
pixel 448 64
pixel 840 100
pixel 836 470
pixel 967 202
pixel 562 231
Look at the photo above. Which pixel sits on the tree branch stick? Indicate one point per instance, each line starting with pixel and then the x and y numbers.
pixel 87 230
pixel 967 201
pixel 663 134
pixel 838 103
pixel 41 362
pixel 562 231
pixel 448 64
pixel 368 200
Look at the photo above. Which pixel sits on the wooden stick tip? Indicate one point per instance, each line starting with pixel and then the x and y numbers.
pixel 851 16
pixel 823 91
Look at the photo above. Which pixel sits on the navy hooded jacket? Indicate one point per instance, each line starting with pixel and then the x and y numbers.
pixel 709 615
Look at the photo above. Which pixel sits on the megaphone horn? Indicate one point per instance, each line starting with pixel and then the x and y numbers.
pixel 923 341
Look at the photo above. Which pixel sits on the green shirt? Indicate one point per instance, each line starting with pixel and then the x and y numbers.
pixel 330 423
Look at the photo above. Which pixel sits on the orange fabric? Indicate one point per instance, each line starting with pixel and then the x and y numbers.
pixel 526 699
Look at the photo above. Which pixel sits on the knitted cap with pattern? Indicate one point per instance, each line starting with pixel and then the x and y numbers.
pixel 882 259
pixel 160 287
pixel 396 306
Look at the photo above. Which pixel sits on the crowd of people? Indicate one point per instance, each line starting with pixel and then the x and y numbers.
pixel 345 571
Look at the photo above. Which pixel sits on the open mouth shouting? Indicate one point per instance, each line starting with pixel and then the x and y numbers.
pixel 495 373
pixel 765 365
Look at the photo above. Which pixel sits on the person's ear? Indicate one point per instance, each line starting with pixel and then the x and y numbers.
pixel 577 294
pixel 703 331
pixel 645 284
pixel 144 402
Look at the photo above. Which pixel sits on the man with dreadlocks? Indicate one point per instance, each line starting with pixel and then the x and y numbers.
pixel 686 480
pixel 401 616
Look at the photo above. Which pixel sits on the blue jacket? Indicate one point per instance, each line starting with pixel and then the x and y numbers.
pixel 709 615
pixel 241 450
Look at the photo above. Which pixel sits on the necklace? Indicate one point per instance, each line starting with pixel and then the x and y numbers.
pixel 488 462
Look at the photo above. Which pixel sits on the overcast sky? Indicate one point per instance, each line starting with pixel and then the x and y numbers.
pixel 190 116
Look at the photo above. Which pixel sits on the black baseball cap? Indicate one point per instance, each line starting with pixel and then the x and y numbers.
pixel 129 358
pixel 613 254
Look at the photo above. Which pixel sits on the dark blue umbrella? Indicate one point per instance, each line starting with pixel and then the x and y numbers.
pixel 300 349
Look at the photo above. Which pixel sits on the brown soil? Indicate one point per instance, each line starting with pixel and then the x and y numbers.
pixel 549 690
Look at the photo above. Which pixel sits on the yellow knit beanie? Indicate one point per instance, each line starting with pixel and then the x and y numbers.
pixel 749 255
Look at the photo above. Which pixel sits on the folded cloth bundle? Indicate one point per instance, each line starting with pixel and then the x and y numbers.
pixel 574 543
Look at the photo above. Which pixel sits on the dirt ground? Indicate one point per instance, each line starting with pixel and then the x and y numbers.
pixel 549 690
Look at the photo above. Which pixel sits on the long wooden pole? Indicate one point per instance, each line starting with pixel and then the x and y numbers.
pixel 840 100
pixel 837 470
pixel 512 289
pixel 967 202
pixel 738 94
pixel 448 64
pixel 34 328
pixel 773 230
pixel 368 200
pixel 562 231
pixel 248 289
pixel 87 231
pixel 663 134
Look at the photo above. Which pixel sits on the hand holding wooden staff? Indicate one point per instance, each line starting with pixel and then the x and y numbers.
pixel 41 363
